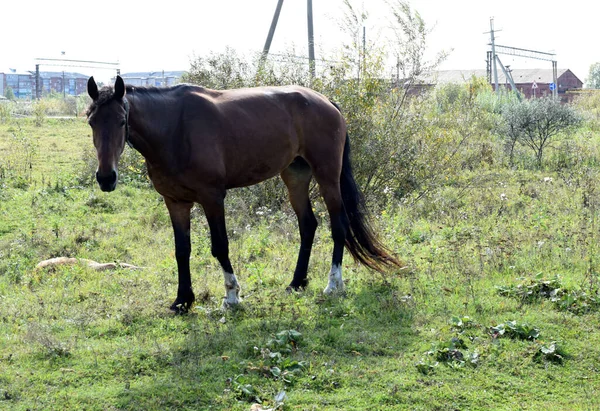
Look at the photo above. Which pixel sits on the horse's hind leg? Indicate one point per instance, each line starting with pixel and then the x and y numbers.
pixel 215 215
pixel 331 192
pixel 297 180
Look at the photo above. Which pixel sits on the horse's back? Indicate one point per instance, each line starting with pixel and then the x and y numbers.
pixel 252 134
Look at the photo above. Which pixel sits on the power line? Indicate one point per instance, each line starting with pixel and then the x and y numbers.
pixel 78 61
pixel 77 65
pixel 102 65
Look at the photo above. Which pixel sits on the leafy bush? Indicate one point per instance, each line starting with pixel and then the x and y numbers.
pixel 515 330
pixel 6 111
pixel 219 70
pixel 39 112
pixel 577 302
pixel 17 164
pixel 551 352
pixel 536 123
pixel 535 289
pixel 9 93
pixel 452 353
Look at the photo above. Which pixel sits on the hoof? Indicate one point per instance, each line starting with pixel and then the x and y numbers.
pixel 334 291
pixel 335 284
pixel 301 286
pixel 230 303
pixel 181 306
pixel 232 295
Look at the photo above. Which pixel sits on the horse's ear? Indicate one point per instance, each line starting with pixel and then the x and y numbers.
pixel 119 88
pixel 92 88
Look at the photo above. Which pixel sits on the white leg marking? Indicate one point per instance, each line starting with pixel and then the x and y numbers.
pixel 336 284
pixel 232 290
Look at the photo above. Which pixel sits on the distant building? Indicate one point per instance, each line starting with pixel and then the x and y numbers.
pixel 72 84
pixel 524 80
pixel 18 81
pixel 152 78
pixel 23 83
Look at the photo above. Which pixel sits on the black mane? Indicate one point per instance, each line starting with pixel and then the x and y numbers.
pixel 106 93
pixel 150 90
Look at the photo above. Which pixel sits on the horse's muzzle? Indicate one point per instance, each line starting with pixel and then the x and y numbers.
pixel 107 181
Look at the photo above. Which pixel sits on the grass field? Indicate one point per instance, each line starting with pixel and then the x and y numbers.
pixel 498 308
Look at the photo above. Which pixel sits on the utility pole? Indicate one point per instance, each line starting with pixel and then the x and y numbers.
pixel 311 36
pixel 555 79
pixel 37 81
pixel 311 39
pixel 495 67
pixel 488 67
pixel 271 32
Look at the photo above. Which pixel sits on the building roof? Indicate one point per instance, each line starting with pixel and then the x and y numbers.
pixel 520 76
pixel 450 76
pixel 44 74
pixel 14 71
pixel 68 75
pixel 150 74
pixel 544 76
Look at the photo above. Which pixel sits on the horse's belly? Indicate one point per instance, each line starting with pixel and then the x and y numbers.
pixel 255 174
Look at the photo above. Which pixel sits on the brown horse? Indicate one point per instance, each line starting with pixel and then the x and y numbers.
pixel 199 142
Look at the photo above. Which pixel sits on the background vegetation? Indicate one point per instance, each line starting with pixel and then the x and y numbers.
pixel 497 308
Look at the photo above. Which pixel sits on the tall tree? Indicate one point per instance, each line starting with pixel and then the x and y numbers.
pixel 593 80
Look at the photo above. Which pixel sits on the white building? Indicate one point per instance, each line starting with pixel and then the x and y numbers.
pixel 152 78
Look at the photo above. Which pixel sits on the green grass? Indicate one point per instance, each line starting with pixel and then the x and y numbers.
pixel 74 338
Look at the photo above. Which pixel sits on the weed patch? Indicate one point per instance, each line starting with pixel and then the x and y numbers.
pixel 538 288
pixel 515 330
pixel 550 352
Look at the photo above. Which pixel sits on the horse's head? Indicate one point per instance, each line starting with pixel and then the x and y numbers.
pixel 108 116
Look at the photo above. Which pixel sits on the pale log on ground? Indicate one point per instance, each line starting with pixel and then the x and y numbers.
pixel 53 262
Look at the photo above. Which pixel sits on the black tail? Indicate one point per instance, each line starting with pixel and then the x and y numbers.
pixel 361 240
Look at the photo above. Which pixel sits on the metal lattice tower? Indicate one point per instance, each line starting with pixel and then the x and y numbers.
pixel 518 52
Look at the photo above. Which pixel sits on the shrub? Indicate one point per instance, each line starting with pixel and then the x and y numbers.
pixel 9 93
pixel 39 112
pixel 536 124
pixel 6 111
pixel 17 164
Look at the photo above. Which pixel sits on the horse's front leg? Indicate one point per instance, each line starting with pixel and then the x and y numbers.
pixel 215 215
pixel 180 218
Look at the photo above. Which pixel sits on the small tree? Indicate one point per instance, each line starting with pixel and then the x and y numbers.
pixel 537 122
pixel 219 70
pixel 593 80
pixel 9 94
pixel 516 116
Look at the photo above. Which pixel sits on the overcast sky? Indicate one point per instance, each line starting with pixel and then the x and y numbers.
pixel 154 36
